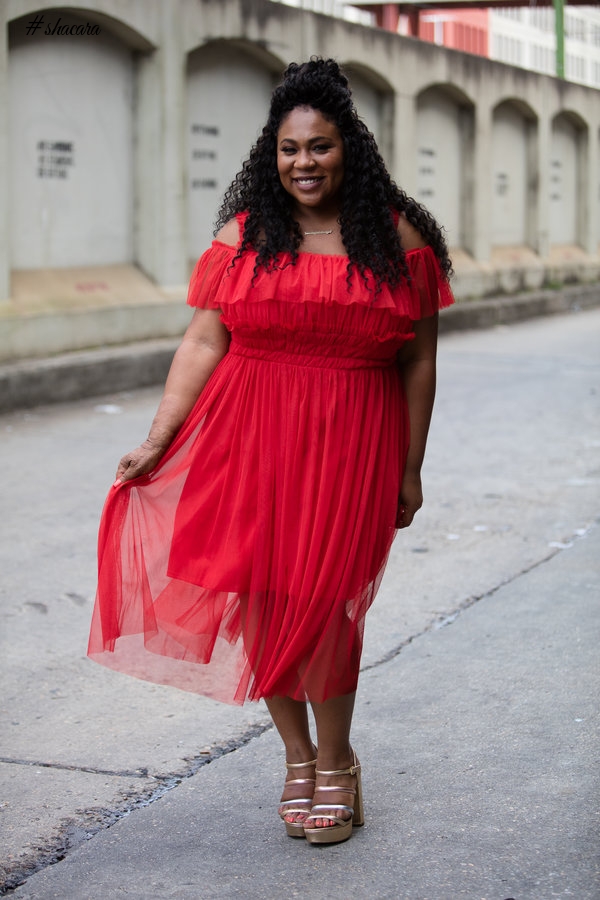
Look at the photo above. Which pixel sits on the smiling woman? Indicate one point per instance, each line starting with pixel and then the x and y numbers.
pixel 243 542
pixel 310 162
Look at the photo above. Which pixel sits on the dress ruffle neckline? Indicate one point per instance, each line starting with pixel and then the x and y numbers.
pixel 219 277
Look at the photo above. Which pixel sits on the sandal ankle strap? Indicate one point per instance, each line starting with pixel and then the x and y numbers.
pixel 352 770
pixel 302 765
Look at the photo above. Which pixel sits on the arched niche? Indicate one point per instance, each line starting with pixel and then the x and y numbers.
pixel 229 85
pixel 597 151
pixel 514 182
pixel 71 142
pixel 373 98
pixel 568 192
pixel 445 129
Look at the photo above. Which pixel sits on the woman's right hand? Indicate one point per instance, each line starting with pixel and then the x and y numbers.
pixel 204 345
pixel 140 461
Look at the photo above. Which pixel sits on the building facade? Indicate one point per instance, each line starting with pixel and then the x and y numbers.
pixel 123 122
pixel 526 36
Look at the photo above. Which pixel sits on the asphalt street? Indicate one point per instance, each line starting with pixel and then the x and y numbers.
pixel 477 716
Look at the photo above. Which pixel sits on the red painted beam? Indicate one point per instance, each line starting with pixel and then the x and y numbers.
pixel 382 10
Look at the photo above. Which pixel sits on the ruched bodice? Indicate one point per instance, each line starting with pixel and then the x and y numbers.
pixel 313 349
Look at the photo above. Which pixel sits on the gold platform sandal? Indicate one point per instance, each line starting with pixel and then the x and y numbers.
pixel 299 805
pixel 341 830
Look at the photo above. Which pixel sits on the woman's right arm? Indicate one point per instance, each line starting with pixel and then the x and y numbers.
pixel 204 345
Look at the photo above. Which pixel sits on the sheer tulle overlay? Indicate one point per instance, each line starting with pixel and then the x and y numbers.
pixel 244 565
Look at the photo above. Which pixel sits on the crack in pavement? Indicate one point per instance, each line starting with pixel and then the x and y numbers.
pixel 449 618
pixel 73 832
pixel 38 764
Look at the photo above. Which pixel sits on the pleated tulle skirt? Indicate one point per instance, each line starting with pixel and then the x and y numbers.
pixel 244 565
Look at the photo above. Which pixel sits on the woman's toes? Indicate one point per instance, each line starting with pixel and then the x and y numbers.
pixel 295 818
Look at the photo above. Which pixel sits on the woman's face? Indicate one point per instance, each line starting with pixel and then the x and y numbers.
pixel 310 159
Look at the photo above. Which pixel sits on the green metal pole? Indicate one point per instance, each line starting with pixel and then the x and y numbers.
pixel 559 16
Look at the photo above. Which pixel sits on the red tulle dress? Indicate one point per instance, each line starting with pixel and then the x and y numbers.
pixel 243 566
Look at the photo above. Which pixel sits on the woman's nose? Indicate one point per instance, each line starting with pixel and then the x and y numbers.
pixel 304 159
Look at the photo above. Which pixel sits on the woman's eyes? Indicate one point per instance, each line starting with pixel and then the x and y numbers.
pixel 318 148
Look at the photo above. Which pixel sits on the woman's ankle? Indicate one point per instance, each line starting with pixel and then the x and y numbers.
pixel 300 752
pixel 335 759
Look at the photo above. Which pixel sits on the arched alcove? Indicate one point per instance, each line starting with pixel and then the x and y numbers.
pixel 444 159
pixel 228 92
pixel 514 185
pixel 373 98
pixel 70 145
pixel 597 151
pixel 567 191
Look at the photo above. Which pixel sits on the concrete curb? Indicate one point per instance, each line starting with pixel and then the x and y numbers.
pixel 89 373
pixel 506 310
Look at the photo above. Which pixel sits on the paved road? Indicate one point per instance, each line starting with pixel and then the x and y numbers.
pixel 477 739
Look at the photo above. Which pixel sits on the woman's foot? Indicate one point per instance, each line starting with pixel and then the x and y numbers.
pixel 337 801
pixel 297 798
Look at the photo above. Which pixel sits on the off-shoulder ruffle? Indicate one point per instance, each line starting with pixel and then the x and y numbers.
pixel 216 283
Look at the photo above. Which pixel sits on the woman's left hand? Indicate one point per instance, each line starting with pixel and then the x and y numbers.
pixel 410 500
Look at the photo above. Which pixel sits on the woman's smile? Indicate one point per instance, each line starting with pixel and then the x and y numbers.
pixel 310 159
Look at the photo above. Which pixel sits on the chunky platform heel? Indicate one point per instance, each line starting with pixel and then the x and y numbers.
pixel 341 830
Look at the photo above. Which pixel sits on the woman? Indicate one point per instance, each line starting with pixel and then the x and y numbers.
pixel 244 540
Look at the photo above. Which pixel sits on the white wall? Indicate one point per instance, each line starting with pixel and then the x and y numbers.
pixel 227 105
pixel 563 182
pixel 509 177
pixel 440 160
pixel 369 103
pixel 70 149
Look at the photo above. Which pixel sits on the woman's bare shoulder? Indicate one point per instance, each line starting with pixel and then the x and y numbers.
pixel 410 237
pixel 229 233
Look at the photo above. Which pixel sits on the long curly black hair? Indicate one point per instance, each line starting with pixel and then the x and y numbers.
pixel 368 200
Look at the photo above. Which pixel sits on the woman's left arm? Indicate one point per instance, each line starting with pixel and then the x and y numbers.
pixel 418 370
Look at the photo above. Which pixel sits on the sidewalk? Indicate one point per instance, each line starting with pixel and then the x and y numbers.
pixel 88 373
pixel 479 743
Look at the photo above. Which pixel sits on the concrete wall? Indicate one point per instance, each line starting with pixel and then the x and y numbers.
pixel 157 111
pixel 70 143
